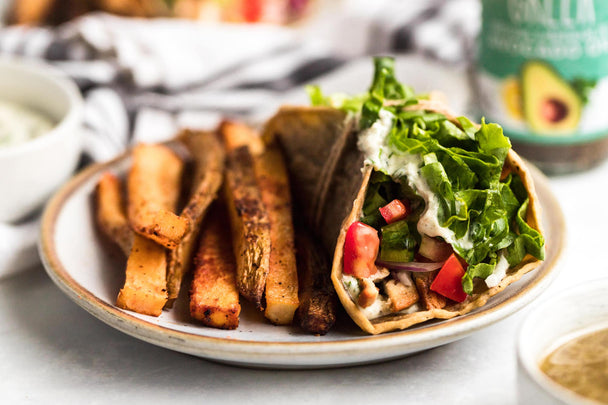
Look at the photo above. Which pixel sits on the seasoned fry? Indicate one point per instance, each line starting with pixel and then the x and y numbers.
pixel 248 218
pixel 250 226
pixel 282 282
pixel 153 191
pixel 209 157
pixel 236 135
pixel 317 311
pixel 214 298
pixel 145 290
pixel 110 213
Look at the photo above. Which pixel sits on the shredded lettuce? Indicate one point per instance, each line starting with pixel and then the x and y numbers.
pixel 351 104
pixel 462 166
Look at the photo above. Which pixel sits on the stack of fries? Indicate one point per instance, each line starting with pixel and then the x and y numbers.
pixel 237 243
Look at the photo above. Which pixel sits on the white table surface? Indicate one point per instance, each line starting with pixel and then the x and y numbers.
pixel 52 351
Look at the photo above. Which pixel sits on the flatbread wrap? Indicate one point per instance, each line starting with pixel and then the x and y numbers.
pixel 427 214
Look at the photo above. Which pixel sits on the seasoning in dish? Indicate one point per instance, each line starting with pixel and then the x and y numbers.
pixel 581 365
pixel 19 124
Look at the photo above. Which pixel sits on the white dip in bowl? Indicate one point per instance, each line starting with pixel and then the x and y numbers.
pixel 40 134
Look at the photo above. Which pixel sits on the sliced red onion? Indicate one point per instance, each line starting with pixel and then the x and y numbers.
pixel 405 278
pixel 410 266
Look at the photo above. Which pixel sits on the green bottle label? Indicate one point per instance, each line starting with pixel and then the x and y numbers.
pixel 543 68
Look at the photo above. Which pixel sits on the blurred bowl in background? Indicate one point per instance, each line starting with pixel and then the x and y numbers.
pixel 580 310
pixel 30 171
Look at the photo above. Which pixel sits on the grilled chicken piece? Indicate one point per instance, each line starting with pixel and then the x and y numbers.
pixel 401 295
pixel 369 293
pixel 430 299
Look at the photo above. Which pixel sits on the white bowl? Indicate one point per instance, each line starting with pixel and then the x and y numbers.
pixel 581 308
pixel 31 171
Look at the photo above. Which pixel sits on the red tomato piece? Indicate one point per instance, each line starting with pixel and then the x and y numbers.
pixel 360 250
pixel 448 281
pixel 394 211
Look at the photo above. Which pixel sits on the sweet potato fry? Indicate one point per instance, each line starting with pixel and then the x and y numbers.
pixel 153 192
pixel 235 135
pixel 282 281
pixel 145 288
pixel 317 311
pixel 248 218
pixel 209 156
pixel 110 212
pixel 214 298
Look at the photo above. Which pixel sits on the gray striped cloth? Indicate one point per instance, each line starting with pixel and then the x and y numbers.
pixel 144 79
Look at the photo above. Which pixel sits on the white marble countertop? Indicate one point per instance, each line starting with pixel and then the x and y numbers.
pixel 53 350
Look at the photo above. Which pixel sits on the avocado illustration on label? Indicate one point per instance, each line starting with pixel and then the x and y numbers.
pixel 511 96
pixel 551 104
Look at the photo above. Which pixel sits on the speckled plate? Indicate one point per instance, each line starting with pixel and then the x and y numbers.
pixel 83 267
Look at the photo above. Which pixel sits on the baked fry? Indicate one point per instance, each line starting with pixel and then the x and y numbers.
pixel 235 135
pixel 282 281
pixel 214 298
pixel 208 155
pixel 153 192
pixel 145 288
pixel 248 218
pixel 110 212
pixel 317 311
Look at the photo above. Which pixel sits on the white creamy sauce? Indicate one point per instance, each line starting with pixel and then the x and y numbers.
pixel 19 124
pixel 500 271
pixel 380 307
pixel 352 286
pixel 373 143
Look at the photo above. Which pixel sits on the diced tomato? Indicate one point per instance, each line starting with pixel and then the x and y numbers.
pixel 448 281
pixel 360 250
pixel 394 211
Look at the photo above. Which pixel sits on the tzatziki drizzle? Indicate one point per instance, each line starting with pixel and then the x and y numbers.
pixel 373 144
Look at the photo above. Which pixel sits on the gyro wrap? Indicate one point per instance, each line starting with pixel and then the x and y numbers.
pixel 485 210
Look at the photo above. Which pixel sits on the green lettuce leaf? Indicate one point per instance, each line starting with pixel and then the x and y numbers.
pixel 461 165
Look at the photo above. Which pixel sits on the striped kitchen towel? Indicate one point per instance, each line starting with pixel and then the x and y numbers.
pixel 142 79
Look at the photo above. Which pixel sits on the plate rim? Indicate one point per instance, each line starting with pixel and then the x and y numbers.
pixel 415 339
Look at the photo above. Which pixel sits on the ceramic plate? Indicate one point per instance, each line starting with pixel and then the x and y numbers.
pixel 80 263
